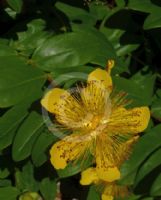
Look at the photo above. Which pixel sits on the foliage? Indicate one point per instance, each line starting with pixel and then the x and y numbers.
pixel 58 40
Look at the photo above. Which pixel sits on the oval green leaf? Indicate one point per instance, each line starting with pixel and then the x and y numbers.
pixel 39 154
pixel 156 187
pixel 48 189
pixel 151 163
pixel 9 193
pixel 140 153
pixel 9 122
pixel 72 49
pixel 26 136
pixel 19 81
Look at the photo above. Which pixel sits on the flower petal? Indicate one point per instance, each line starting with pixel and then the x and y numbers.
pixel 110 154
pixel 67 109
pixel 66 150
pixel 114 190
pixel 102 76
pixel 53 98
pixel 106 158
pixel 129 121
pixel 107 197
pixel 89 176
pixel 109 174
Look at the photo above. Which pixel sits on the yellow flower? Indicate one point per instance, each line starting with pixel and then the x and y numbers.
pixel 113 190
pixel 110 189
pixel 99 122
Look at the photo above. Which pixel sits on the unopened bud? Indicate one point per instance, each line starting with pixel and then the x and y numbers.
pixel 30 196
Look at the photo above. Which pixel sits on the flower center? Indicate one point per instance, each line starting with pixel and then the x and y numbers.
pixel 91 122
pixel 94 125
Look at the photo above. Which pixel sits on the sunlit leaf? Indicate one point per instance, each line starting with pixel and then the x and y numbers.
pixel 16 5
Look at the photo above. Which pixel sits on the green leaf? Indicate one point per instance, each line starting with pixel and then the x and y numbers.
pixel 19 81
pixel 150 164
pixel 67 50
pixel 153 20
pixel 98 10
pixel 6 166
pixel 132 197
pixel 68 76
pixel 65 71
pixel 130 42
pixel 4 172
pixel 158 93
pixel 5 183
pixel 120 3
pixel 143 5
pixel 75 13
pixel 145 82
pixel 156 109
pixel 40 148
pixel 25 180
pixel 15 5
pixel 130 167
pixel 9 193
pixel 113 35
pixel 138 88
pixel 93 194
pixel 6 51
pixel 26 136
pixel 12 13
pixel 9 123
pixel 4 41
pixel 125 49
pixel 35 32
pixel 156 187
pixel 48 189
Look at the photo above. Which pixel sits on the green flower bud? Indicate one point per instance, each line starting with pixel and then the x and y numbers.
pixel 30 196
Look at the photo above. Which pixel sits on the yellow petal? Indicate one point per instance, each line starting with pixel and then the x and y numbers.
pixel 107 197
pixel 68 149
pixel 101 76
pixel 53 99
pixel 129 121
pixel 89 176
pixel 106 155
pixel 56 158
pixel 109 174
pixel 67 109
pixel 114 190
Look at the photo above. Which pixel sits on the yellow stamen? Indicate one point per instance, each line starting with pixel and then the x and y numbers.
pixel 110 64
